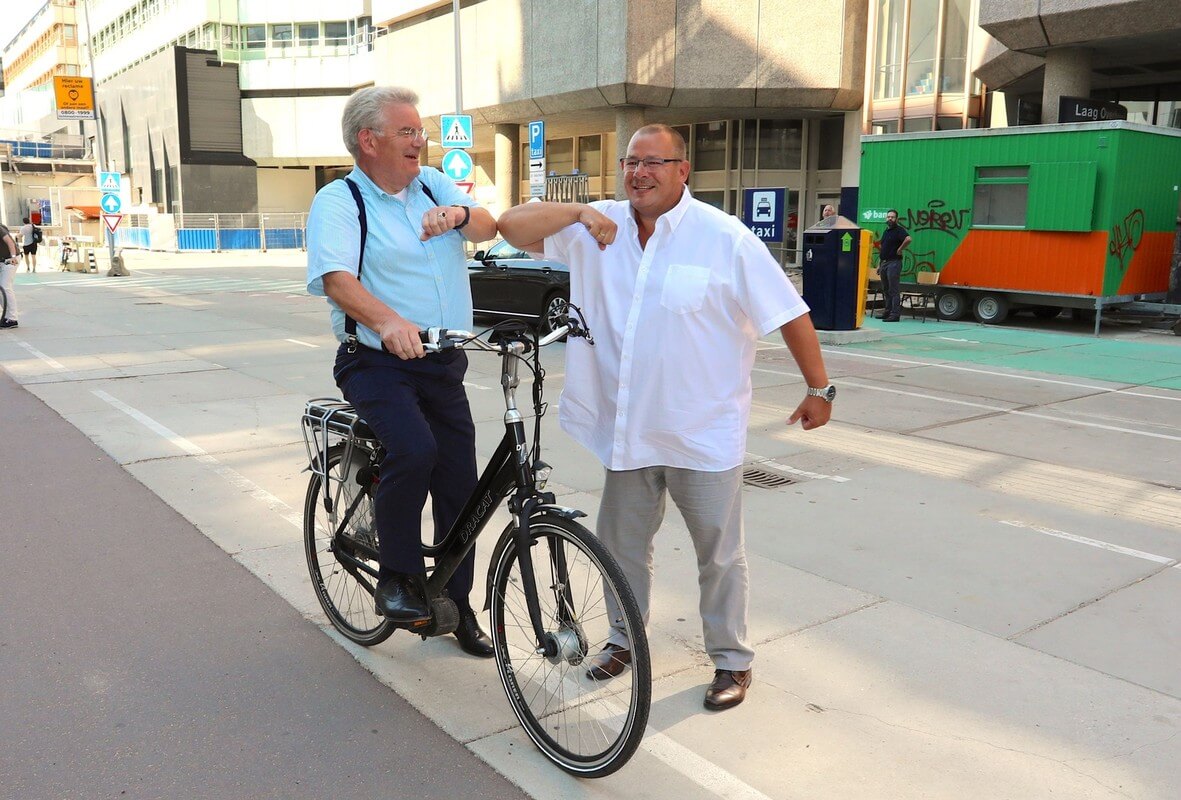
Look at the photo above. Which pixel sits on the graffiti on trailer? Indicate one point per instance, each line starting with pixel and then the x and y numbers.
pixel 937 217
pixel 913 263
pixel 1126 236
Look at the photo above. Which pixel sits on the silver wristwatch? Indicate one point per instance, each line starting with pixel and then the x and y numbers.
pixel 829 392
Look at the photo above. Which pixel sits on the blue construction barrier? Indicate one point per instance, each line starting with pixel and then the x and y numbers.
pixel 285 238
pixel 133 237
pixel 196 239
pixel 240 239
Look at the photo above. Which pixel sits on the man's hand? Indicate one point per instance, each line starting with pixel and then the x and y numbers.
pixel 400 337
pixel 439 220
pixel 814 411
pixel 598 225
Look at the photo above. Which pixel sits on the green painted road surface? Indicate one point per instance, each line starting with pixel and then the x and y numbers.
pixel 1123 361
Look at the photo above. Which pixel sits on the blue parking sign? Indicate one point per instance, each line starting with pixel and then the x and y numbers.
pixel 537 139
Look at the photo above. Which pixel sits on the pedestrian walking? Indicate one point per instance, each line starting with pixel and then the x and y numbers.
pixel 11 260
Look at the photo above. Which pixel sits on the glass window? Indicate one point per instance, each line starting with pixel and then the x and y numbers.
pixel 832 143
pixel 336 33
pixel 885 126
pixel 69 32
pixel 1169 113
pixel 717 199
pixel 1142 111
pixel 281 35
pixel 920 48
pixel 1001 197
pixel 559 156
pixel 256 37
pixel 590 155
pixel 953 66
pixel 309 34
pixel 709 146
pixel 888 49
pixel 750 142
pixel 948 123
pixel 780 143
pixel 916 124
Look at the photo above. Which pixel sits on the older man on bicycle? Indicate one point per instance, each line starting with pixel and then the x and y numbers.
pixel 400 270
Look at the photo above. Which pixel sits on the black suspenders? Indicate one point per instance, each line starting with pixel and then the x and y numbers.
pixel 350 324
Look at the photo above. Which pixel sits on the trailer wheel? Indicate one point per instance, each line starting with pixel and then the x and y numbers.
pixel 991 309
pixel 951 304
pixel 1046 312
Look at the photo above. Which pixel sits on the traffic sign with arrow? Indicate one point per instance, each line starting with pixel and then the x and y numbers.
pixel 112 203
pixel 457 164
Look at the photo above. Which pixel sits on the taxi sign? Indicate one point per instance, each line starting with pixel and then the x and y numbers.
pixel 74 97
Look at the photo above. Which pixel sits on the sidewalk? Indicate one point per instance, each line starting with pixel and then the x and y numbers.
pixel 139 660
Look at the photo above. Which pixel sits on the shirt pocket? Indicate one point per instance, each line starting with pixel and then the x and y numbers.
pixel 684 288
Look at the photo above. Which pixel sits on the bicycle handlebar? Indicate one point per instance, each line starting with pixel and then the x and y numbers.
pixel 435 340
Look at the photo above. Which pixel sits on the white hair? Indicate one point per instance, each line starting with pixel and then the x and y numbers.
pixel 364 110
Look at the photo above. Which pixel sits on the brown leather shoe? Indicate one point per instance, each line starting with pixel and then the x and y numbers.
pixel 612 660
pixel 728 689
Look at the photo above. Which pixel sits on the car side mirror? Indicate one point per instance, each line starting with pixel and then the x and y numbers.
pixel 479 255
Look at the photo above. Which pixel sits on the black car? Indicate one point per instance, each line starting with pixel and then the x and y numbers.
pixel 507 282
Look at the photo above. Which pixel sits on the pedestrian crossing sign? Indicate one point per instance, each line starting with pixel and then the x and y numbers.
pixel 457 130
pixel 108 182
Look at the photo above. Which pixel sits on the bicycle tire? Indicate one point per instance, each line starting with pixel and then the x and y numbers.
pixel 347 599
pixel 604 720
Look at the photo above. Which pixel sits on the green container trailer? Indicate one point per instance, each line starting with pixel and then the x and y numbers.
pixel 1045 217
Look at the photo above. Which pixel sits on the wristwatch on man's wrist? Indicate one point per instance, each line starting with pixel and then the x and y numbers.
pixel 828 393
pixel 467 214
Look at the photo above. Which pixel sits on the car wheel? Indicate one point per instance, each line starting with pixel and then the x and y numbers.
pixel 991 309
pixel 553 311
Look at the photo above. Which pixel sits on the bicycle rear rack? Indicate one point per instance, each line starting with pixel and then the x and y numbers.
pixel 328 422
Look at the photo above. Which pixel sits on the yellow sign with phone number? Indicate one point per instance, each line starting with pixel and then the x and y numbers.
pixel 75 97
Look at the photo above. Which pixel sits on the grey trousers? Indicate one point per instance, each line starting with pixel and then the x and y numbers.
pixel 711 503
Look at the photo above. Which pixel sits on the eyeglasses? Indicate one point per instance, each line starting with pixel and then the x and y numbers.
pixel 404 133
pixel 632 164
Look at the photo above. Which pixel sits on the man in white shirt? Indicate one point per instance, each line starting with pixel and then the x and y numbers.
pixel 29 244
pixel 676 305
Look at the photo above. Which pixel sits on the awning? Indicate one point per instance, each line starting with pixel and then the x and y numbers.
pixel 87 212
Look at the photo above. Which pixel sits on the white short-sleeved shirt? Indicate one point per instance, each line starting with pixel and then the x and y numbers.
pixel 675 325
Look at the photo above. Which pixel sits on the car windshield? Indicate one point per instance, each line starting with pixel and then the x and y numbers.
pixel 503 249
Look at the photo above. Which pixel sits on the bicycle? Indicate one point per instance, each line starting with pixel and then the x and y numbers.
pixel 549 582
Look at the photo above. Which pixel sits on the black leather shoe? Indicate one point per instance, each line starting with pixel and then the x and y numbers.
pixel 472 640
pixel 400 598
pixel 611 661
pixel 728 689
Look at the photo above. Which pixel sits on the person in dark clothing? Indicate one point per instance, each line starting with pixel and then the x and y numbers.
pixel 894 240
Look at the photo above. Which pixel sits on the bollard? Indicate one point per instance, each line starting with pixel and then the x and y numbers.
pixel 117 270
pixel 90 260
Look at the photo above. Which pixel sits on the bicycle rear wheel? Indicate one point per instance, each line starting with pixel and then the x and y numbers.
pixel 588 728
pixel 345 593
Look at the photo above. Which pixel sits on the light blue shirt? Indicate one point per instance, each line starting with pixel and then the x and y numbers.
pixel 425 282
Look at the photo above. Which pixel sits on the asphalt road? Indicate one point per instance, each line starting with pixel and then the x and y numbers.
pixel 969 589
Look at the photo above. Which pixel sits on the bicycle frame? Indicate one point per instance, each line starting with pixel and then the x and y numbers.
pixel 507 475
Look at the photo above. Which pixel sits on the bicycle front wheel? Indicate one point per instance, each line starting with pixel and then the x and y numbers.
pixel 345 593
pixel 588 728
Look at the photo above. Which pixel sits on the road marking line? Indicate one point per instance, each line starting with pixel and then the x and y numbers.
pixel 979 371
pixel 1013 411
pixel 305 344
pixel 51 362
pixel 698 769
pixel 236 479
pixel 1074 537
pixel 759 460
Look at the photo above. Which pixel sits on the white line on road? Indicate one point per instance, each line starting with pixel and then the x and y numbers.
pixel 1074 537
pixel 794 471
pixel 51 362
pixel 305 344
pixel 236 479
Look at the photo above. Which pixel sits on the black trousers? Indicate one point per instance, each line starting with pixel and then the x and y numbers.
pixel 419 410
pixel 891 274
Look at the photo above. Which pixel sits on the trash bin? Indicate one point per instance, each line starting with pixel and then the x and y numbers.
pixel 832 274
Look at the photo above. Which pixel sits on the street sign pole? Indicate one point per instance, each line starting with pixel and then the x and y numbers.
pixel 458 60
pixel 116 269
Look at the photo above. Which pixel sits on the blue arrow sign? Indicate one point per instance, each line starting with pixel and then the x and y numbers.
pixel 457 164
pixel 111 203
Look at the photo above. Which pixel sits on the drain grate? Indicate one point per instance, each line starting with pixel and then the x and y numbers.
pixel 754 476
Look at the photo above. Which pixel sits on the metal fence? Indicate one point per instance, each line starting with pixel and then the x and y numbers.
pixel 269 231
pixel 567 188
